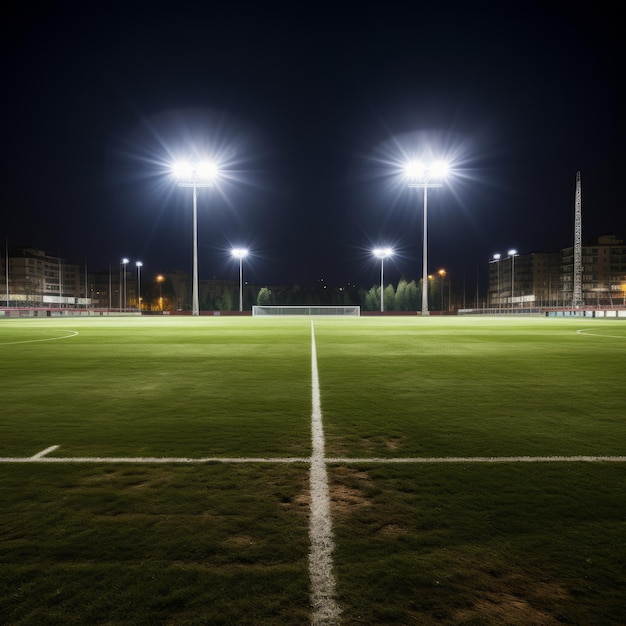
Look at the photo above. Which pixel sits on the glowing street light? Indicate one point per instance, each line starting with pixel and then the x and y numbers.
pixel 512 255
pixel 160 278
pixel 425 177
pixel 195 176
pixel 139 265
pixel 442 274
pixel 382 254
pixel 123 286
pixel 241 254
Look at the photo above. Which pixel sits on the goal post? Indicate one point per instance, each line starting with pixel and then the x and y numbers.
pixel 264 311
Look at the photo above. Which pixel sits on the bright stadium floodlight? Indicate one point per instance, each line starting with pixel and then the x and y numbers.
pixel 496 260
pixel 425 176
pixel 139 265
pixel 195 175
pixel 512 254
pixel 241 254
pixel 123 265
pixel 382 254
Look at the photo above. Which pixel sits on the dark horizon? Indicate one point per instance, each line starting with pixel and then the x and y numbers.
pixel 311 112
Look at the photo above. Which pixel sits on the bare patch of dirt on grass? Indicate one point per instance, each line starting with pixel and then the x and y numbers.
pixel 240 541
pixel 346 492
pixel 392 530
pixel 506 608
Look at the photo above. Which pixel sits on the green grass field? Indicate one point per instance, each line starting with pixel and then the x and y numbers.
pixel 179 490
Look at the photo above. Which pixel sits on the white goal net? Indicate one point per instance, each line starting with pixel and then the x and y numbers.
pixel 259 311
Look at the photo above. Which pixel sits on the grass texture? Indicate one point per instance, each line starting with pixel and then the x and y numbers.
pixel 227 543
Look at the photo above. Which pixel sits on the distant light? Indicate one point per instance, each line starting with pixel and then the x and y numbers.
pixel 512 252
pixel 496 257
pixel 239 253
pixel 139 264
pixel 382 253
pixel 124 261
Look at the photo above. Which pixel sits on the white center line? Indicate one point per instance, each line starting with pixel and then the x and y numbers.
pixel 325 608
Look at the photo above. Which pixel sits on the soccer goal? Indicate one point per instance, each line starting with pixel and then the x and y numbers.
pixel 259 311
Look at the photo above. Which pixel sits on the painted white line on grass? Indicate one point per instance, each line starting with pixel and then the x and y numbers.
pixel 484 459
pixel 325 609
pixel 43 453
pixel 149 459
pixel 72 333
pixel 586 331
pixel 42 458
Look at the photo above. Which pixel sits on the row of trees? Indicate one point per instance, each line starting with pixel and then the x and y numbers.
pixel 405 296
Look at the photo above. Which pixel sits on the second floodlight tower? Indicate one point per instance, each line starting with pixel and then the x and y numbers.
pixel 423 176
pixel 382 254
pixel 195 176
pixel 241 254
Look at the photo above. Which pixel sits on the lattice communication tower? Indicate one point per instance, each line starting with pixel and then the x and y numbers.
pixel 577 296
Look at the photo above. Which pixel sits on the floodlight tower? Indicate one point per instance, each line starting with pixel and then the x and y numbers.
pixel 123 265
pixel 241 254
pixel 512 254
pixel 425 177
pixel 382 254
pixel 195 176
pixel 139 265
pixel 496 260
pixel 577 295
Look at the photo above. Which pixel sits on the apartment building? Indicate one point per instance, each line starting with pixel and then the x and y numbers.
pixel 546 279
pixel 33 278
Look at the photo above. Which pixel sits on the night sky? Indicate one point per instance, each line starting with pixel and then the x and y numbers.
pixel 310 109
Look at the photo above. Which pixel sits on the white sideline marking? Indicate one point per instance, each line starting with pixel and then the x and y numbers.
pixel 325 609
pixel 41 457
pixel 148 459
pixel 43 453
pixel 484 459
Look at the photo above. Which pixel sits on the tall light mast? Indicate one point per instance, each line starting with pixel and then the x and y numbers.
pixel 577 296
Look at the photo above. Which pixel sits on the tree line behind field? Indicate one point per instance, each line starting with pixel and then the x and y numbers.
pixel 405 296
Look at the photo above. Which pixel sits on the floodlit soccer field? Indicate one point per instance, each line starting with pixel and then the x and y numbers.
pixel 293 470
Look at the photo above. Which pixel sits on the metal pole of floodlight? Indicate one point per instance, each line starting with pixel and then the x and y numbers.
pixel 425 177
pixel 496 260
pixel 123 294
pixel 241 254
pixel 512 254
pixel 195 176
pixel 139 264
pixel 382 254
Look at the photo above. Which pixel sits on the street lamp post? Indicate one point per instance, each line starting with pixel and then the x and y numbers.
pixel 139 264
pixel 123 285
pixel 512 254
pixel 195 176
pixel 442 274
pixel 160 278
pixel 241 254
pixel 382 254
pixel 425 177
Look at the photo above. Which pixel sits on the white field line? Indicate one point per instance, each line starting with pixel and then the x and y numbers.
pixel 586 331
pixel 72 333
pixel 43 453
pixel 41 457
pixel 325 609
